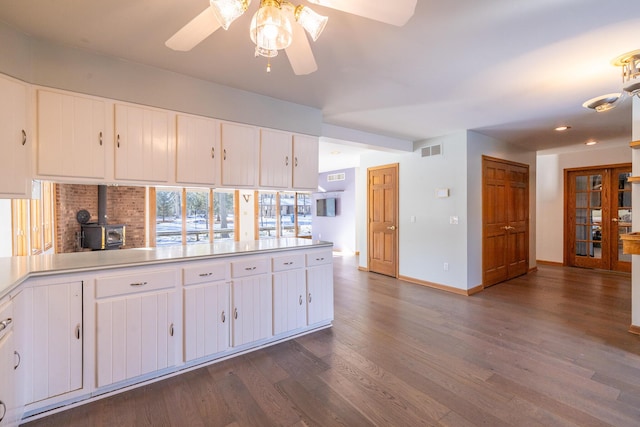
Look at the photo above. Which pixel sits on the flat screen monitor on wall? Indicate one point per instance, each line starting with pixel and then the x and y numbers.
pixel 326 207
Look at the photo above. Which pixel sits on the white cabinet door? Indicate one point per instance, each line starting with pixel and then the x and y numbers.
pixel 206 320
pixel 142 144
pixel 57 339
pixel 319 294
pixel 305 162
pixel 239 145
pixel 197 150
pixel 23 327
pixel 8 401
pixel 252 309
pixel 276 159
pixel 70 135
pixel 15 143
pixel 135 335
pixel 289 301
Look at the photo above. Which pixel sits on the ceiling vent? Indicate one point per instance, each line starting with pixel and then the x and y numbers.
pixel 432 150
pixel 336 177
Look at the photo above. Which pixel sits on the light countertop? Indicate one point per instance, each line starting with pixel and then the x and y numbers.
pixel 15 270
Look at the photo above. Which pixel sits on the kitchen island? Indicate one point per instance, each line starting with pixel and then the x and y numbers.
pixel 90 324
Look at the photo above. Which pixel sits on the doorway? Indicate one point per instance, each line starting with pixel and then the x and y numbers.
pixel 505 220
pixel 382 214
pixel 597 212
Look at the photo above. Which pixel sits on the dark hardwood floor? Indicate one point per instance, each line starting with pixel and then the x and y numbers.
pixel 548 349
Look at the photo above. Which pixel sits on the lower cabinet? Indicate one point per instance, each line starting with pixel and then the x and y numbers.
pixel 8 399
pixel 319 287
pixel 135 324
pixel 289 293
pixel 251 301
pixel 206 309
pixel 56 351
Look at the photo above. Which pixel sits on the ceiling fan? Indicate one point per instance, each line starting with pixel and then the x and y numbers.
pixel 278 24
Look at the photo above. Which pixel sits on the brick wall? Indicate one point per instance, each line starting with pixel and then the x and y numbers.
pixel 125 205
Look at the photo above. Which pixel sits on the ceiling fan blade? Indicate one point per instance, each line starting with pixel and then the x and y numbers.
pixel 198 29
pixel 395 12
pixel 300 54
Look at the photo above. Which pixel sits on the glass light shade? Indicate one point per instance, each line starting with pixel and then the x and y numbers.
pixel 270 28
pixel 267 53
pixel 227 11
pixel 311 21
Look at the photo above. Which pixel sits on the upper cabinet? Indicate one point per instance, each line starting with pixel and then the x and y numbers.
pixel 198 151
pixel 71 136
pixel 141 144
pixel 239 144
pixel 288 161
pixel 15 171
pixel 305 162
pixel 276 158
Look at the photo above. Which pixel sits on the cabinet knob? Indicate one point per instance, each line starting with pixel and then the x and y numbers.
pixel 4 410
pixel 286 161
pixel 300 301
pixel 171 330
pixel 295 161
pixel 24 137
pixel 78 331
pixel 213 152
pixel 5 323
pixel 223 317
pixel 118 141
pixel 100 138
pixel 138 284
pixel 15 353
pixel 224 154
pixel 310 298
pixel 235 313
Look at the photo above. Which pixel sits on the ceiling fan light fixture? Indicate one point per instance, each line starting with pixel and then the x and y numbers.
pixel 311 21
pixel 602 103
pixel 630 63
pixel 270 29
pixel 227 11
pixel 267 53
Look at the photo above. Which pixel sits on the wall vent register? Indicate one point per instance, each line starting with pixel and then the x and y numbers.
pixel 432 150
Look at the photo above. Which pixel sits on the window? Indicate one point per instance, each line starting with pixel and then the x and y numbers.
pixel 33 221
pixel 185 216
pixel 283 214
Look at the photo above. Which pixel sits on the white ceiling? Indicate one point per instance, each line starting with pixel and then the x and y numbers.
pixel 512 69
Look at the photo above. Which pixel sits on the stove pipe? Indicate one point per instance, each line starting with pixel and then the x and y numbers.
pixel 102 204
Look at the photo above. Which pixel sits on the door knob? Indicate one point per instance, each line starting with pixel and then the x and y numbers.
pixel 614 219
pixel 391 227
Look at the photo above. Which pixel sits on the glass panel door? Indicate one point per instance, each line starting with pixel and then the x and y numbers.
pixel 621 222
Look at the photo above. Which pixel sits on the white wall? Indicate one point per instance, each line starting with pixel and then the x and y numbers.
pixel 550 204
pixel 47 64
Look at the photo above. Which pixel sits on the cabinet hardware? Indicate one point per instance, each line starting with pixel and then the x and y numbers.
pixel 320 259
pixel 4 410
pixel 100 138
pixel 213 152
pixel 5 323
pixel 235 313
pixel 249 268
pixel 171 329
pixel 15 353
pixel 118 141
pixel 205 274
pixel 288 263
pixel 507 227
pixel 614 220
pixel 310 298
pixel 391 227
pixel 224 154
pixel 300 300
pixel 24 137
pixel 295 161
pixel 78 331
pixel 223 317
pixel 286 161
pixel 138 284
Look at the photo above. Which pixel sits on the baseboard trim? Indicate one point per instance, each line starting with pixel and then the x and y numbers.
pixel 451 289
pixel 365 269
pixel 533 270
pixel 634 329
pixel 551 263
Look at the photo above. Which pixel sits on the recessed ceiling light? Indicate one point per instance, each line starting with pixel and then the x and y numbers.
pixel 591 142
pixel 562 128
pixel 602 103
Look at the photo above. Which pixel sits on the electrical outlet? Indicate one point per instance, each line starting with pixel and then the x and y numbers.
pixel 413 218
pixel 445 266
pixel 453 220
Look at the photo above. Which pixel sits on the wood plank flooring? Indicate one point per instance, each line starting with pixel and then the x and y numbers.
pixel 547 349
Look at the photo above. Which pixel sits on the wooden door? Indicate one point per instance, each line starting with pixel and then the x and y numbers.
pixel 597 212
pixel 505 219
pixel 383 219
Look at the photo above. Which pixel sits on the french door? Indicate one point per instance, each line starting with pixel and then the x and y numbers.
pixel 597 212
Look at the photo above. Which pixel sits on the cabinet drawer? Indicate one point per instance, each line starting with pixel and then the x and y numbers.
pixel 6 317
pixel 249 267
pixel 287 262
pixel 205 272
pixel 130 283
pixel 319 258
